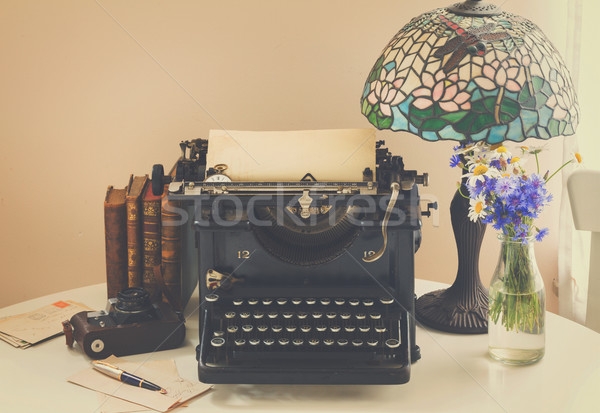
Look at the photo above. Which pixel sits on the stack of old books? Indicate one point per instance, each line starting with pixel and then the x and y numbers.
pixel 141 233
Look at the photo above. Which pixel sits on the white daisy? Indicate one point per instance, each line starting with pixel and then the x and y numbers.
pixel 477 208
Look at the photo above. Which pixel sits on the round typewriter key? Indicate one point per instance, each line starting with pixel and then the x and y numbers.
pixel 325 301
pixel 354 302
pixel 302 315
pixel 284 341
pixel 252 301
pixel 342 342
pixel 258 315
pixel 368 302
pixel 345 316
pixel 313 341
pixel 287 314
pixel 268 341
pixel 218 333
pixel 267 301
pixel 281 301
pixel 245 314
pixel 386 300
pixel 331 315
pixel 357 343
pixel 321 328
pixel 276 328
pixel 372 343
pixel 380 329
pixel 272 314
pixel 375 316
pixel 364 328
pixel 238 301
pixel 310 301
pixel 296 301
pixel 317 314
pixel 298 341
pixel 247 328
pixel 361 316
pixel 328 341
pixel 262 328
pixel 217 341
pixel 290 329
pixel 211 298
pixel 340 301
pixel 254 342
pixel 335 329
pixel 305 328
pixel 240 342
pixel 230 314
pixel 392 343
pixel 232 329
pixel 349 329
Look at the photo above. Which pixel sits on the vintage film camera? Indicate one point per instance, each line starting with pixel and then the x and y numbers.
pixel 131 324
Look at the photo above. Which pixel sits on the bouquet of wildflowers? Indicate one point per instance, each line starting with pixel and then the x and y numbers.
pixel 502 193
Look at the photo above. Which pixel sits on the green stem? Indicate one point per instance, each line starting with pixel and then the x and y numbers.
pixel 565 164
pixel 537 162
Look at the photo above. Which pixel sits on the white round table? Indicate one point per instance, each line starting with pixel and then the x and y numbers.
pixel 455 374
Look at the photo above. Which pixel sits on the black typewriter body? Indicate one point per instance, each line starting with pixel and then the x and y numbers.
pixel 288 293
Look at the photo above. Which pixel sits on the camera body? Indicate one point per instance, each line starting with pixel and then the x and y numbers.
pixel 131 324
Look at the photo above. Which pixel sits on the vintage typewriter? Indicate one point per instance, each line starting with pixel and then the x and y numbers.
pixel 305 256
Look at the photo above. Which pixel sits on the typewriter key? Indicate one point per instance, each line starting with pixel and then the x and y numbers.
pixel 301 315
pixel 267 301
pixel 380 329
pixel 375 316
pixel 258 315
pixel 325 301
pixel 328 341
pixel 361 316
pixel 317 314
pixel 392 343
pixel 245 314
pixel 296 301
pixel 211 298
pixel 340 301
pixel 230 314
pixel 232 329
pixel 217 341
pixel 247 328
pixel 331 315
pixel 252 301
pixel 354 302
pixel 342 342
pixel 240 342
pixel 310 301
pixel 368 302
pixel 218 333
pixel 335 329
pixel 284 341
pixel 305 328
pixel 313 341
pixel 345 316
pixel 364 328
pixel 290 329
pixel 321 328
pixel 386 300
pixel 272 314
pixel 349 329
pixel 268 341
pixel 372 343
pixel 298 341
pixel 262 328
pixel 357 343
pixel 281 301
pixel 287 314
pixel 276 328
pixel 238 301
pixel 254 342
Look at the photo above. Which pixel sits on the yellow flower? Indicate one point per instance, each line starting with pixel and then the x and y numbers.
pixel 578 157
pixel 501 149
pixel 478 207
pixel 480 170
pixel 514 160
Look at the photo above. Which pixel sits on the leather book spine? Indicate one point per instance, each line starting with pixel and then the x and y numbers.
pixel 151 241
pixel 171 246
pixel 116 241
pixel 135 251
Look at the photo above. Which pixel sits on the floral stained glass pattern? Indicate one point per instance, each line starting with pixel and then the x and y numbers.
pixel 446 76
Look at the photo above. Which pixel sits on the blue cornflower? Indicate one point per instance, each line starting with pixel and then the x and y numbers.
pixel 541 234
pixel 505 186
pixel 454 161
pixel 496 164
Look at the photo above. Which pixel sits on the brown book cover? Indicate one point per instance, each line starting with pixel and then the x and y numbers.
pixel 115 236
pixel 151 241
pixel 133 203
pixel 171 246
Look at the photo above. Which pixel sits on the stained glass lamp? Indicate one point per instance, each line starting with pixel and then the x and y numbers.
pixel 469 73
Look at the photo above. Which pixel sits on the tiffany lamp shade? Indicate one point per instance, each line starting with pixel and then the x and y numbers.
pixel 469 73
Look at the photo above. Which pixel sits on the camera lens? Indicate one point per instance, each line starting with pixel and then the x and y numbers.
pixel 133 300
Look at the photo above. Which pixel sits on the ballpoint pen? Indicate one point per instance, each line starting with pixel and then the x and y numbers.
pixel 125 377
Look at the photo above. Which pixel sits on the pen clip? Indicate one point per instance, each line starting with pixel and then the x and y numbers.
pixel 104 363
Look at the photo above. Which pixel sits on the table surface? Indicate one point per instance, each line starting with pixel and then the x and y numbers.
pixel 455 374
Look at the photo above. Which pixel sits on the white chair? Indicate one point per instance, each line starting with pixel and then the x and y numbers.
pixel 584 193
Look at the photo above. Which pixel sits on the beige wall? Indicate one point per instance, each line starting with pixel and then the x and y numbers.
pixel 93 91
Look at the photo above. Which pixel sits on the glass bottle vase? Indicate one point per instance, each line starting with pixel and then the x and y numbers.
pixel 517 305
